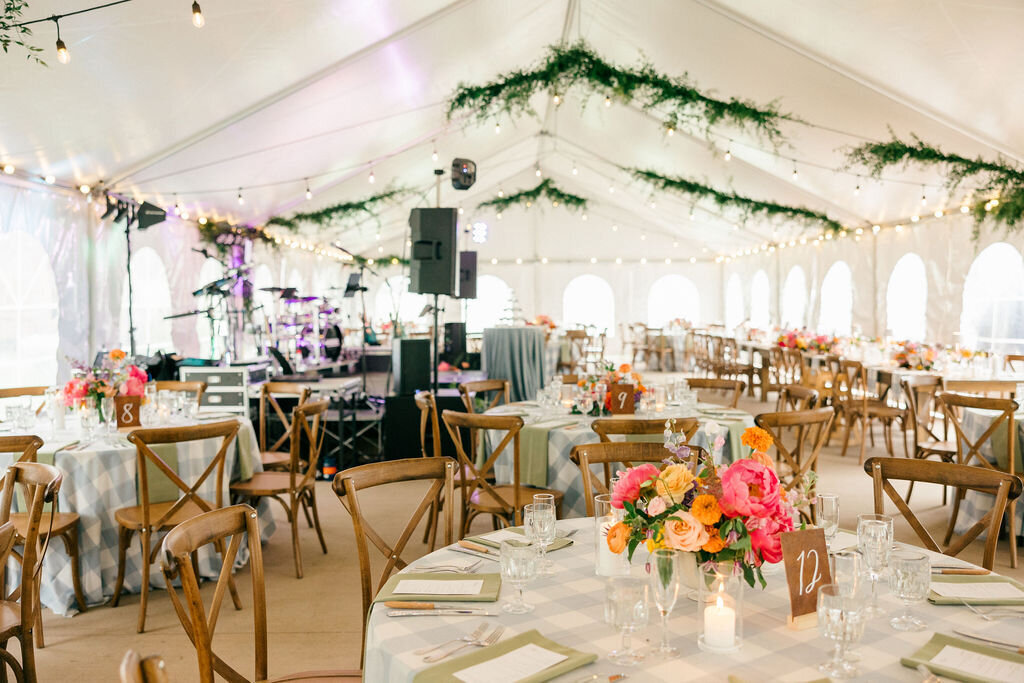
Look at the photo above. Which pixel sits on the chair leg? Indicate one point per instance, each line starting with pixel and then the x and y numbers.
pixel 70 539
pixel 316 519
pixel 296 550
pixel 1011 510
pixel 28 659
pixel 957 497
pixel 305 512
pixel 144 596
pixel 846 438
pixel 124 537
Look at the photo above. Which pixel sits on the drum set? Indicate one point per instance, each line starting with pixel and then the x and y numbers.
pixel 304 327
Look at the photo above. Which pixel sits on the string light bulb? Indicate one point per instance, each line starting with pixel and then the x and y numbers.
pixel 575 171
pixel 615 228
pixel 924 197
pixel 241 199
pixel 434 154
pixel 309 192
pixel 8 169
pixel 497 129
pixel 501 193
pixel 899 227
pixel 607 101
pixel 203 221
pixel 728 155
pixel 964 208
pixel 856 190
pixel 50 180
pixel 557 99
pixel 670 131
pixel 63 56
pixel 372 179
pixel 795 174
pixel 876 228
pixel 198 20
pixel 537 171
pixel 84 189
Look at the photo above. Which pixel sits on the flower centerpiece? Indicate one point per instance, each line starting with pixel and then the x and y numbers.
pixel 804 341
pixel 543 321
pixel 729 514
pixel 914 356
pixel 623 374
pixel 112 378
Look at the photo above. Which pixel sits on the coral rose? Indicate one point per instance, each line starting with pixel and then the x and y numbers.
pixel 684 532
pixel 618 537
pixel 674 482
pixel 705 508
pixel 135 373
pixel 757 438
pixel 628 484
pixel 765 538
pixel 749 489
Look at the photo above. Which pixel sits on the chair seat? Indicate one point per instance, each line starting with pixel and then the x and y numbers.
pixel 131 517
pixel 61 523
pixel 10 619
pixel 486 502
pixel 938 447
pixel 320 676
pixel 265 484
pixel 275 459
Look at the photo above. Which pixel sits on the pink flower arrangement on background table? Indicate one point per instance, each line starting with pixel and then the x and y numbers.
pixel 112 378
pixel 805 341
pixel 723 514
pixel 914 356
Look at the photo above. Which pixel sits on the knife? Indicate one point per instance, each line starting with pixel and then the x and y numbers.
pixel 960 571
pixel 994 641
pixel 487 556
pixel 400 604
pixel 446 612
pixel 469 545
pixel 611 678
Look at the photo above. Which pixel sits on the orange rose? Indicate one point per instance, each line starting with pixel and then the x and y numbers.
pixel 618 536
pixel 705 508
pixel 117 355
pixel 715 542
pixel 624 368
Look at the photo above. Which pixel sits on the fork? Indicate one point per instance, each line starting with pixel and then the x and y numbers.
pixel 994 614
pixel 479 631
pixel 489 640
pixel 455 568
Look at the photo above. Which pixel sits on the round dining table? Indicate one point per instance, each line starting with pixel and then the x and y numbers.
pixel 569 610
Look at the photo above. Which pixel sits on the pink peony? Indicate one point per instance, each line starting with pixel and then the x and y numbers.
pixel 656 506
pixel 749 489
pixel 627 484
pixel 684 532
pixel 73 391
pixel 135 373
pixel 764 539
pixel 133 387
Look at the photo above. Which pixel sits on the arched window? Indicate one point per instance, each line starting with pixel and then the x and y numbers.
pixel 794 298
pixel 993 312
pixel 28 313
pixel 733 302
pixel 210 271
pixel 488 308
pixel 836 315
pixel 151 302
pixel 673 297
pixel 394 300
pixel 589 300
pixel 760 298
pixel 906 299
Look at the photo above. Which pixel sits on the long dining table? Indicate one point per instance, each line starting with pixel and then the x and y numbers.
pixel 569 610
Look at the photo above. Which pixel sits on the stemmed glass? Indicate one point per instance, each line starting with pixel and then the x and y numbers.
pixel 848 574
pixel 826 510
pixel 666 584
pixel 518 567
pixel 841 619
pixel 874 539
pixel 584 402
pixel 626 607
pixel 539 520
pixel 88 419
pixel 910 577
pixel 109 419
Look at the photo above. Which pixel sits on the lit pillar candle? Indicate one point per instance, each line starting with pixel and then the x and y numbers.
pixel 719 625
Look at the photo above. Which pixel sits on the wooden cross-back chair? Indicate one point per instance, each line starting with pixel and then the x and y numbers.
pixel 273 457
pixel 136 669
pixel 923 414
pixel 39 485
pixel 593 352
pixel 178 561
pixel 796 397
pixel 624 426
pixel 1005 488
pixel 777 374
pixel 733 367
pixel 197 388
pixel 660 346
pixel 429 424
pixel 504 502
pixel 295 489
pixel 349 484
pixel 628 454
pixel 968 450
pixel 499 390
pixel 728 390
pixel 151 517
pixel 15 392
pixel 63 525
pixel 992 388
pixel 1014 362
pixel 799 436
pixel 853 404
pixel 577 343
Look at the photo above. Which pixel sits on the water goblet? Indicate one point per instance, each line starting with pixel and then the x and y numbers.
pixel 88 418
pixel 584 402
pixel 627 608
pixel 841 619
pixel 109 418
pixel 539 520
pixel 666 585
pixel 874 539
pixel 518 567
pixel 826 511
pixel 910 577
pixel 848 574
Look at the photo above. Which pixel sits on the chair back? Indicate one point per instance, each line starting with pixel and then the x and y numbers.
pixel 309 425
pixel 26 445
pixel 577 340
pixel 499 388
pixel 920 394
pixel 570 379
pixel 605 426
pixel 144 439
pixel 477 478
pixel 799 436
pixel 15 392
pixel 440 472
pixel 628 453
pixel 429 423
pixel 136 669
pixel 796 397
pixel 969 450
pixel 177 560
pixel 728 390
pixel 197 388
pixel 1004 487
pixel 793 360
pixel 268 401
pixel 993 388
pixel 1013 362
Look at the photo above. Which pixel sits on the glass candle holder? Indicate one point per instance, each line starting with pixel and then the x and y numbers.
pixel 567 395
pixel 607 563
pixel 660 398
pixel 719 608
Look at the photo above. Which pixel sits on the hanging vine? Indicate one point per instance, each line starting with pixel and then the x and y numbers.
pixel 12 34
pixel 728 200
pixel 546 188
pixel 222 236
pixel 567 66
pixel 342 211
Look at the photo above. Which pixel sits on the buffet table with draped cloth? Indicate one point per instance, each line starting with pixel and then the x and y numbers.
pixel 976 504
pixel 515 354
pixel 547 440
pixel 101 479
pixel 570 611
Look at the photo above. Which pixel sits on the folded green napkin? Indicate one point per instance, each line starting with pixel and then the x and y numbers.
pixel 557 545
pixel 940 640
pixel 447 670
pixel 737 679
pixel 488 592
pixel 646 438
pixel 936 599
pixel 533 451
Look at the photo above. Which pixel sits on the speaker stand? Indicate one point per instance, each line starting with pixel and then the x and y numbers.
pixel 434 376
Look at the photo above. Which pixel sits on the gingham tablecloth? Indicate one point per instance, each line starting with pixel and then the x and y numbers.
pixel 98 481
pixel 570 611
pixel 563 475
pixel 976 504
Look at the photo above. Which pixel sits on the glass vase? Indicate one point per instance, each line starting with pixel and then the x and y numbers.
pixel 607 563
pixel 719 607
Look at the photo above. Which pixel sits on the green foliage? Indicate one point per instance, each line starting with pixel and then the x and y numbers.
pixel 546 188
pixel 566 66
pixel 10 34
pixel 726 200
pixel 336 213
pixel 222 236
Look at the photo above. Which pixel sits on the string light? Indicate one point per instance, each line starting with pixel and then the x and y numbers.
pixel 924 198
pixel 497 129
pixel 615 228
pixel 197 16
pixel 899 228
pixel 618 260
pixel 964 208
pixel 8 169
pixel 63 56
pixel 671 131
pixel 939 213
pixel 593 259
pixel 876 228
pixel 544 260
pixel 607 101
pixel 499 216
pixel 501 192
pixel 203 221
pixel 728 155
pixel 643 261
pixel 643 237
pixel 519 261
pixel 575 171
pixel 241 199
pixel 177 207
pixel 494 261
pixel 537 171
pixel 668 261
pixel 583 217
pixel 84 189
pixel 557 99
pixel 693 259
pixel 915 218
pixel 795 174
pixel 309 192
pixel 49 180
pixel 856 190
pixel 434 154
pixel 461 211
pixel 611 189
pixel 372 179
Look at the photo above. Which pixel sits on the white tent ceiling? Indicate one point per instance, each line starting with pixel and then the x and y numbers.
pixel 269 94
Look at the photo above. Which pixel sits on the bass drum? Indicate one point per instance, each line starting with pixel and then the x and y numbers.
pixel 332 342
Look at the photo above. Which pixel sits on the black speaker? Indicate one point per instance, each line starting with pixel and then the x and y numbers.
pixel 467 275
pixel 454 342
pixel 410 360
pixel 432 268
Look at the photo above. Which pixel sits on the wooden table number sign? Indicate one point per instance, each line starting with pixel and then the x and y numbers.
pixel 805 556
pixel 622 396
pixel 127 410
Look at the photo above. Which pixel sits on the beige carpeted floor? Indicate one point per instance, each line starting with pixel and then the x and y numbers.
pixel 315 622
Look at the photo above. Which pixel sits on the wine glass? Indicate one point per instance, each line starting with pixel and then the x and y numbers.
pixel 110 420
pixel 840 619
pixel 88 418
pixel 539 520
pixel 874 539
pixel 848 573
pixel 910 577
pixel 826 510
pixel 584 402
pixel 518 567
pixel 626 607
pixel 666 584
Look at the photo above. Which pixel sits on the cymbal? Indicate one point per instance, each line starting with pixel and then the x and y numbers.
pixel 186 315
pixel 274 289
pixel 301 299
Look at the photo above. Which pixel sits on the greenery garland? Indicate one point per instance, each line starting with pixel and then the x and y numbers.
pixel 341 211
pixel 724 200
pixel 222 235
pixel 546 188
pixel 566 66
pixel 12 34
pixel 1001 184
